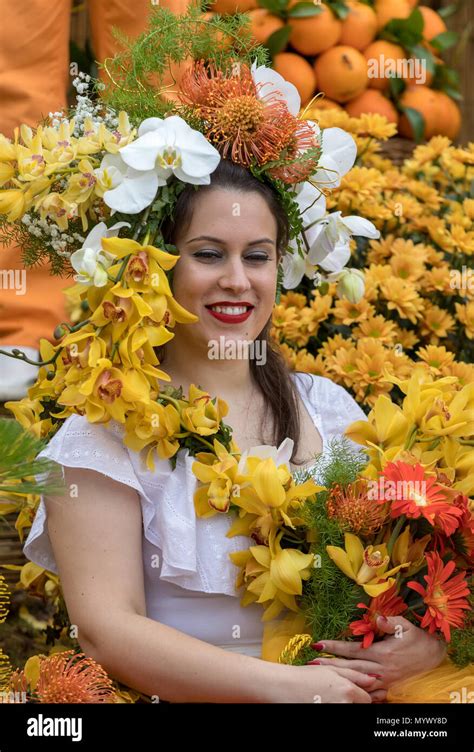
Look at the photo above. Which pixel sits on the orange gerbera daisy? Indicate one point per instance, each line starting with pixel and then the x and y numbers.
pixel 443 597
pixel 386 604
pixel 417 495
pixel 242 121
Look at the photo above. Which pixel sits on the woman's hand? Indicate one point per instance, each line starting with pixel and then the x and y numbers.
pixel 319 684
pixel 405 650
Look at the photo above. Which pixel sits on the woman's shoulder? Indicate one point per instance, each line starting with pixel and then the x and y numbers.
pixel 331 405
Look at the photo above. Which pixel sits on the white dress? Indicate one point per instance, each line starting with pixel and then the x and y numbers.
pixel 189 577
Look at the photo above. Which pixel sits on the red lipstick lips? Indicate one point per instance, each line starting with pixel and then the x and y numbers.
pixel 231 318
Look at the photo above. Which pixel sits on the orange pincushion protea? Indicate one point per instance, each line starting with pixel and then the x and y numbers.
pixel 300 166
pixel 67 677
pixel 240 120
pixel 354 510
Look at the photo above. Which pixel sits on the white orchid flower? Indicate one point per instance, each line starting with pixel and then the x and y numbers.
pixel 163 148
pixel 91 261
pixel 338 154
pixel 274 83
pixel 295 267
pixel 350 284
pixel 280 455
pixel 330 245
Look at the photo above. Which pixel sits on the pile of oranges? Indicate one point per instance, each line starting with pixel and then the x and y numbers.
pixel 346 61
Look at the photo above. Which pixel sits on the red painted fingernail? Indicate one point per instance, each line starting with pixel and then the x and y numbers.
pixel 314 663
pixel 383 618
pixel 377 676
pixel 317 645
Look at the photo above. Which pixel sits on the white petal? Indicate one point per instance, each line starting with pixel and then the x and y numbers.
pixel 142 153
pixel 199 157
pixel 113 161
pixel 293 269
pixel 100 277
pixel 361 226
pixel 113 231
pixel 134 193
pixel 312 203
pixel 273 83
pixel 94 238
pixel 340 148
pixel 337 259
pixel 150 124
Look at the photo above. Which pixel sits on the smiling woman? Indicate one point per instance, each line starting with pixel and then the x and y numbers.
pixel 232 235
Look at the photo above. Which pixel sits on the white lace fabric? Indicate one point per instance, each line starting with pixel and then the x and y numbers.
pixel 193 552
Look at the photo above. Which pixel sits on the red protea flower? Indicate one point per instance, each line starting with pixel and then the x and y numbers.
pixel 354 510
pixel 301 165
pixel 443 597
pixel 238 119
pixel 67 677
pixel 386 604
pixel 418 495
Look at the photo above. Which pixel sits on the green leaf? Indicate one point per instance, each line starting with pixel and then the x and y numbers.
pixel 397 86
pixel 277 41
pixel 304 10
pixel 417 122
pixel 339 8
pixel 274 6
pixel 445 40
pixel 423 54
pixel 405 31
pixel 449 10
pixel 453 93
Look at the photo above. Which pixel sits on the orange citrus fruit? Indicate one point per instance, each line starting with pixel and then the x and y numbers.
pixel 263 24
pixel 425 101
pixel 359 27
pixel 449 116
pixel 341 73
pixel 313 35
pixel 382 58
pixel 321 103
pixel 386 10
pixel 418 74
pixel 223 40
pixel 433 24
pixel 372 101
pixel 297 71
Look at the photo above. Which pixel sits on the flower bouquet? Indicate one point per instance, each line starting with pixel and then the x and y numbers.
pixel 390 531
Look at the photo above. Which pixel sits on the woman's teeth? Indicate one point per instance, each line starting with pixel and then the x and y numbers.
pixel 231 311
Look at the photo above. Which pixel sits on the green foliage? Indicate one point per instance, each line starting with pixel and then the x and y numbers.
pixel 330 598
pixel 171 38
pixel 461 647
pixel 18 464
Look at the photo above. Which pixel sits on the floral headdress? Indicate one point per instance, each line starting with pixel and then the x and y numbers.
pixel 76 183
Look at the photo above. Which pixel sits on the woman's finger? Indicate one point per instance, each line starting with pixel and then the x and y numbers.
pixel 357 677
pixel 366 667
pixel 378 695
pixel 343 648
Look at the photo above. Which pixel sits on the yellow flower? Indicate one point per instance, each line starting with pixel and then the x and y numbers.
pixel 376 126
pixel 203 415
pixel 348 312
pixel 378 328
pixel 402 297
pixel 274 574
pixel 222 480
pixel 436 357
pixel 108 392
pixel 436 323
pixel 367 566
pixel 154 426
pixel 465 314
pixel 406 549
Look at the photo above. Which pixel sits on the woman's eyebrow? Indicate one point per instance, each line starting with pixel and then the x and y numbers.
pixel 222 242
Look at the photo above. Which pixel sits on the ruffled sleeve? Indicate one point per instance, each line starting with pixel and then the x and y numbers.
pixel 79 443
pixel 331 406
pixel 194 552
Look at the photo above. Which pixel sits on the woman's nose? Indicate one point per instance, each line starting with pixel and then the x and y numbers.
pixel 235 276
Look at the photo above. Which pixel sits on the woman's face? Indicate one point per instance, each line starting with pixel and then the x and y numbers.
pixel 227 270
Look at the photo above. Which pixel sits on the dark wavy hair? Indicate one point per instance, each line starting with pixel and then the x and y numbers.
pixel 273 378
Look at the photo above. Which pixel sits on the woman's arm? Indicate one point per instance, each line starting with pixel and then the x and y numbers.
pixel 96 534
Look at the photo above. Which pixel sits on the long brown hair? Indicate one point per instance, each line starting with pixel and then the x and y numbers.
pixel 273 378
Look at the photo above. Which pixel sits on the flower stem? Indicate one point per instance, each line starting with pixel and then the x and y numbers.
pixel 396 531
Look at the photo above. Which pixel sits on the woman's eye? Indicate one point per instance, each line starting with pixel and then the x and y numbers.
pixel 214 254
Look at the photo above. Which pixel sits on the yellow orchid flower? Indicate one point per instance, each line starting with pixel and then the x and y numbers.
pixel 108 392
pixel 366 566
pixel 154 426
pixel 113 141
pixel 222 483
pixel 202 415
pixel 406 549
pixel 273 574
